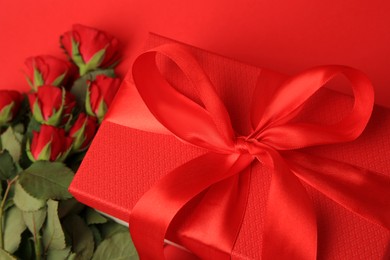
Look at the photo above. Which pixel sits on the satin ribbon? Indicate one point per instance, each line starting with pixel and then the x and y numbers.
pixel 217 183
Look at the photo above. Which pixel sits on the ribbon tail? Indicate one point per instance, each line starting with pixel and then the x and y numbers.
pixel 154 212
pixel 212 226
pixel 290 230
pixel 362 191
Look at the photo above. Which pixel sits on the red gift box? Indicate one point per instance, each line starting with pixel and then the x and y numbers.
pixel 133 151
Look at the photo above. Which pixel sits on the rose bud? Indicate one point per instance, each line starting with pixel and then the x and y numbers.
pixel 83 131
pixel 100 94
pixel 49 144
pixel 90 48
pixel 49 104
pixel 10 102
pixel 47 70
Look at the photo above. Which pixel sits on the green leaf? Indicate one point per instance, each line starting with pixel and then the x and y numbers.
pixel 19 131
pixel 11 143
pixel 33 125
pixel 111 228
pixel 93 217
pixel 34 220
pixel 117 247
pixel 82 238
pixel 69 206
pixel 97 237
pixel 14 227
pixel 53 235
pixel 55 254
pixel 4 255
pixel 7 166
pixel 25 201
pixel 47 180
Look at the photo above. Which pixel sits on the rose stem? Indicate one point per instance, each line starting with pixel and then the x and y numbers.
pixel 37 242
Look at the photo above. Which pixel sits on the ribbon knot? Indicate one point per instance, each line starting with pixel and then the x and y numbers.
pixel 222 175
pixel 245 145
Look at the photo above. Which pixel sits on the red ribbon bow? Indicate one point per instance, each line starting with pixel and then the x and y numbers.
pixel 222 176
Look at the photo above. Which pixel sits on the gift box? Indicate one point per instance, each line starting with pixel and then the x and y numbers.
pixel 182 156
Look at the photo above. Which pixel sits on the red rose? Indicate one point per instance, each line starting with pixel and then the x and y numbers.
pixel 47 70
pixel 90 48
pixel 100 94
pixel 10 102
pixel 83 131
pixel 49 144
pixel 50 105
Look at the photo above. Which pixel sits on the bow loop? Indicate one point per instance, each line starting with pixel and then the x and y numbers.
pixel 277 128
pixel 207 125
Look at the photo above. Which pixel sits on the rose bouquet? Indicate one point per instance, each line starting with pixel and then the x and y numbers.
pixel 44 136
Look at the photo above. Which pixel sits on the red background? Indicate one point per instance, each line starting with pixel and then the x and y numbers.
pixel 287 36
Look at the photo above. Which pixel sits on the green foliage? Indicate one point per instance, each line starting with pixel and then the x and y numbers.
pixel 7 166
pixel 14 227
pixel 25 201
pixel 47 180
pixel 82 238
pixel 34 219
pixel 97 236
pixel 41 220
pixel 92 217
pixel 68 207
pixel 58 254
pixel 112 228
pixel 53 235
pixel 4 255
pixel 11 141
pixel 117 247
